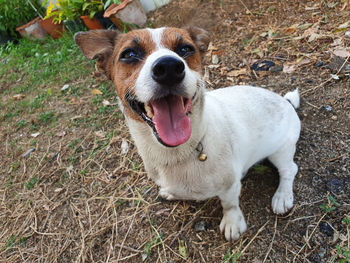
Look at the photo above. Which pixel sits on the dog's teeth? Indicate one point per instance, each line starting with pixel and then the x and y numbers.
pixel 148 110
pixel 183 102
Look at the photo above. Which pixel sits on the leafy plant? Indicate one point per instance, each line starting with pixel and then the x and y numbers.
pixel 15 13
pixel 331 205
pixel 109 2
pixel 72 9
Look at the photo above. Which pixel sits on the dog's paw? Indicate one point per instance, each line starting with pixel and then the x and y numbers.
pixel 282 202
pixel 233 224
pixel 165 194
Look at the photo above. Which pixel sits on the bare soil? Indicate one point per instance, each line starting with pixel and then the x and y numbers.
pixel 101 207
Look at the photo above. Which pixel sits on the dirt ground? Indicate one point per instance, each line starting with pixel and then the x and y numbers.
pixel 102 207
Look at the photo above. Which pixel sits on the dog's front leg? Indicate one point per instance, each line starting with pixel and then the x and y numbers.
pixel 233 223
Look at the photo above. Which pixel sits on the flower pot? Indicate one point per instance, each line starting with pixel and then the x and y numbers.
pixel 91 23
pixel 150 5
pixel 54 30
pixel 33 29
pixel 129 12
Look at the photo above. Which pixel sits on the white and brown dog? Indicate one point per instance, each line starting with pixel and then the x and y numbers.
pixel 176 122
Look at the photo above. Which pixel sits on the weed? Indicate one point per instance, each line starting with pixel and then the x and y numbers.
pixel 343 254
pixel 229 257
pixel 261 169
pixel 32 182
pixel 14 241
pixel 21 124
pixel 331 205
pixel 47 117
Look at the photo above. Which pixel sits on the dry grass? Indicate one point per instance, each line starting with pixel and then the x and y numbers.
pixel 79 198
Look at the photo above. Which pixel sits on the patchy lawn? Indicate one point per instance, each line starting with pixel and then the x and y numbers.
pixel 73 188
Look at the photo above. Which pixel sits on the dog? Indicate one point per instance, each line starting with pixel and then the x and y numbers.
pixel 196 144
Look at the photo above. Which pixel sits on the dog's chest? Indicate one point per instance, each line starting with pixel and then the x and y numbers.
pixel 195 179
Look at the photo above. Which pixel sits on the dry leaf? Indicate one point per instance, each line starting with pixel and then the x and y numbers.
pixel 341 52
pixel 106 103
pixel 66 86
pixel 182 249
pixel 344 26
pixel 211 47
pixel 100 134
pixel 289 68
pixel 35 134
pixel 96 92
pixel 313 37
pixel 289 30
pixel 304 61
pixel 124 147
pixel 18 96
pixel 236 73
pixel 60 133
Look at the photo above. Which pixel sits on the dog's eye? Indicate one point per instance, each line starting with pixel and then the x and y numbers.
pixel 185 50
pixel 130 55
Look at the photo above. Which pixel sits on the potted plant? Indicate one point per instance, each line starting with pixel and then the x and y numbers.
pixel 14 13
pixel 72 9
pixel 125 14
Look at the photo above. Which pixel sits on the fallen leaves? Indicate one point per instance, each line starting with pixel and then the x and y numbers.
pixel 96 92
pixel 18 96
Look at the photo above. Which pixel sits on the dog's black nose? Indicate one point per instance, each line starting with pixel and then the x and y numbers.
pixel 168 70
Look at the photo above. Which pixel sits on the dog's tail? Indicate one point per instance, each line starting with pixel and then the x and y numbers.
pixel 293 98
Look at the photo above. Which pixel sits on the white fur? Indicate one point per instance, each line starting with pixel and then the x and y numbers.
pixel 156 34
pixel 237 127
pixel 293 97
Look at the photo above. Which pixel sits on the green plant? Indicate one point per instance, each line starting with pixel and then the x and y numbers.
pixel 15 13
pixel 331 205
pixel 72 9
pixel 109 2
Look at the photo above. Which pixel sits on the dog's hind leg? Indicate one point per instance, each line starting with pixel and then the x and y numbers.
pixel 282 200
pixel 233 223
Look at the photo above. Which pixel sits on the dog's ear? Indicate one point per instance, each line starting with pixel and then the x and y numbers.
pixel 200 37
pixel 98 44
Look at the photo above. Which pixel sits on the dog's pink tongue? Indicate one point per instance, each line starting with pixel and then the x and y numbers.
pixel 172 124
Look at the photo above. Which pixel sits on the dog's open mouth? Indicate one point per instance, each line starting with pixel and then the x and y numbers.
pixel 167 116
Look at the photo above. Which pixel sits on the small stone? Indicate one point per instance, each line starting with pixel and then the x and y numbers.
pixel 199 226
pixel 309 81
pixel 335 185
pixel 334 118
pixel 215 59
pixel 28 152
pixel 276 69
pixel 326 229
pixel 327 108
pixel 319 64
pixel 347 34
pixel 264 65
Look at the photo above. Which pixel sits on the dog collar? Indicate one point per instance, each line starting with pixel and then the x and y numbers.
pixel 201 156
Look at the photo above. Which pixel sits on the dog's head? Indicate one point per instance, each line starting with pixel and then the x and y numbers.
pixel 156 73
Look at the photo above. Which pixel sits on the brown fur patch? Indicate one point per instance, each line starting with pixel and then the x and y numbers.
pixel 172 37
pixel 124 75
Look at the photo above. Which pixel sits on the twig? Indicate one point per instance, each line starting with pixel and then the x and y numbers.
pixel 254 237
pixel 128 248
pixel 127 233
pixel 308 239
pixel 273 239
